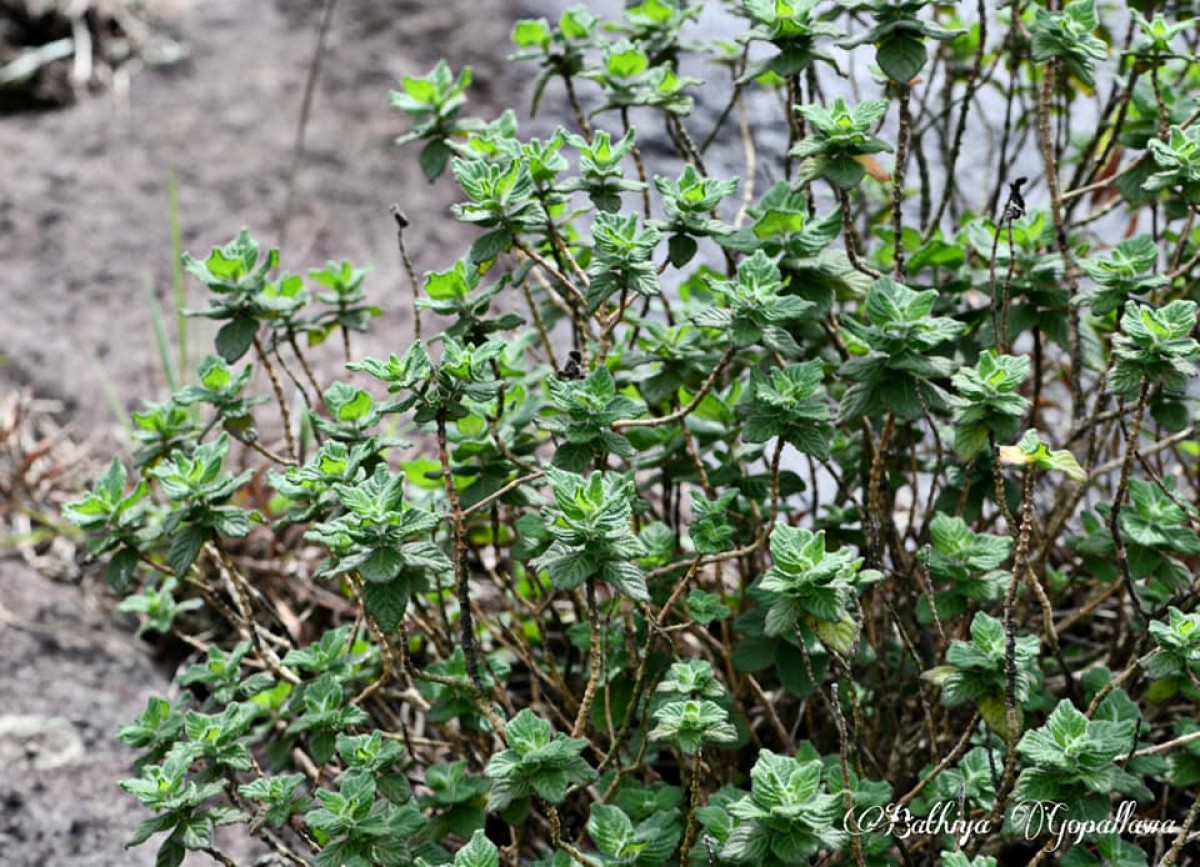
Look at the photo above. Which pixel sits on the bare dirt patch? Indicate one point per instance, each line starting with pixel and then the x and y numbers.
pixel 85 241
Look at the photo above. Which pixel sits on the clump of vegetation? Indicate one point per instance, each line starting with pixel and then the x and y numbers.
pixel 717 519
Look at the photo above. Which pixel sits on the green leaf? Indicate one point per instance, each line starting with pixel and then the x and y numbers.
pixel 681 249
pixel 1031 450
pixel 901 57
pixel 610 829
pixel 531 33
pixel 185 547
pixel 489 246
pixel 479 852
pixel 171 853
pixel 433 158
pixel 386 603
pixel 236 337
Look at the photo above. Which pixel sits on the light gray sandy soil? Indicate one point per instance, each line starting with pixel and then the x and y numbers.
pixel 84 235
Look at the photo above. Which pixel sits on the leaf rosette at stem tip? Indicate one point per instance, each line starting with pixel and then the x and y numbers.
pixel 790 404
pixel 893 367
pixel 788 817
pixel 1067 35
pixel 756 309
pixel 383 539
pixel 433 103
pixel 198 494
pixel 792 26
pixel 809 587
pixel 1128 269
pixel 539 761
pixel 588 408
pixel 976 671
pixel 591 525
pixel 987 403
pixel 1155 345
pixel 1178 643
pixel 114 520
pixel 236 275
pixel 968 563
pixel 1076 761
pixel 841 136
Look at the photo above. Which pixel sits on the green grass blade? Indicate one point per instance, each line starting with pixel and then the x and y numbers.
pixel 111 395
pixel 180 290
pixel 162 340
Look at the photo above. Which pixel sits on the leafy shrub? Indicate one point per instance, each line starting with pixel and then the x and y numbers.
pixel 723 519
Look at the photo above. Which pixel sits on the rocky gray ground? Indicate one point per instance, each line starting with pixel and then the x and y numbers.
pixel 84 237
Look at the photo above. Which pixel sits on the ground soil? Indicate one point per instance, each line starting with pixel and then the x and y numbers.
pixel 84 245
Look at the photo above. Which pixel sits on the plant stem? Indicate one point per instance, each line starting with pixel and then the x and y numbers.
pixel 461 578
pixel 1114 517
pixel 689 836
pixel 594 654
pixel 1070 269
pixel 902 138
pixel 284 413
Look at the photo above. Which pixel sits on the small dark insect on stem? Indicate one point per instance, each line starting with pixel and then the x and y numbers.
pixel 1014 208
pixel 572 369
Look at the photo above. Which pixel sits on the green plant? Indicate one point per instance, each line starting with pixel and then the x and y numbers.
pixel 705 529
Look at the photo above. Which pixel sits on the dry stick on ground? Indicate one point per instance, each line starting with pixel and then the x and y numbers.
pixel 236 585
pixel 310 87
